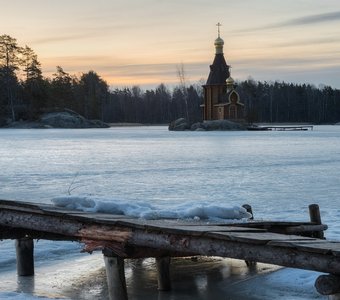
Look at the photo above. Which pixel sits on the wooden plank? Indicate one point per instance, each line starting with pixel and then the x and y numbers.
pixel 18 203
pixel 199 229
pixel 297 228
pixel 23 208
pixel 316 246
pixel 54 210
pixel 268 223
pixel 90 215
pixel 256 237
pixel 306 228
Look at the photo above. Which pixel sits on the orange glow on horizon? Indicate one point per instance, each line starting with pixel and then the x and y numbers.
pixel 141 43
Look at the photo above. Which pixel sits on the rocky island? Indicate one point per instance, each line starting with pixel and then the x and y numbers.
pixel 182 124
pixel 59 119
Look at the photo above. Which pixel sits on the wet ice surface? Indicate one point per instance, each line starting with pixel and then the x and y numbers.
pixel 204 278
pixel 278 173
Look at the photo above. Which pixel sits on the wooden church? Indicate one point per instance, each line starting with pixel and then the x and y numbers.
pixel 221 100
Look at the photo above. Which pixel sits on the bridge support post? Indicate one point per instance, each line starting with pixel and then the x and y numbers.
pixel 163 273
pixel 315 217
pixel 25 260
pixel 249 209
pixel 115 276
pixel 328 285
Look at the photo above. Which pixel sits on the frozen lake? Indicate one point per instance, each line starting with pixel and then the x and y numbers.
pixel 278 173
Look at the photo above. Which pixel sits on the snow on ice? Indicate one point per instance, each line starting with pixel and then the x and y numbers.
pixel 139 209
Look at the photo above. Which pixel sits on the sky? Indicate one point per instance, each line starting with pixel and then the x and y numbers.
pixel 145 42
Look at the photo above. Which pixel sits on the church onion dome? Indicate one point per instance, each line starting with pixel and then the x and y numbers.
pixel 230 81
pixel 219 45
pixel 219 42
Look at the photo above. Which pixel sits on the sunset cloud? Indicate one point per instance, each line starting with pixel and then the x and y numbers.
pixel 142 42
pixel 304 20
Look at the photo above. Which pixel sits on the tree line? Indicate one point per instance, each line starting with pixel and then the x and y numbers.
pixel 25 94
pixel 288 102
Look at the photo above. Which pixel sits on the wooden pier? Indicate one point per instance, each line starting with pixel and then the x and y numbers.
pixel 280 128
pixel 291 244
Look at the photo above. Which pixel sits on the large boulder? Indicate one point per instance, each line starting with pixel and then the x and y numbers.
pixel 197 127
pixel 222 125
pixel 69 119
pixel 183 124
pixel 179 125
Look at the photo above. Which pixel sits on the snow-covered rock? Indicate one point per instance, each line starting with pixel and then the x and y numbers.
pixel 222 125
pixel 182 124
pixel 68 119
pixel 59 119
pixel 179 125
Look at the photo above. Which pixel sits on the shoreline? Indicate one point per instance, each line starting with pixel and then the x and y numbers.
pixel 39 125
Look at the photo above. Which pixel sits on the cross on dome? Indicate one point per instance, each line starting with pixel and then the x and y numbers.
pixel 219 42
pixel 218 28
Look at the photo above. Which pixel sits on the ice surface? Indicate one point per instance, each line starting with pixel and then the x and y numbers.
pixel 151 171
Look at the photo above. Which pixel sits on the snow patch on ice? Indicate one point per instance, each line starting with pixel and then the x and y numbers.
pixel 22 296
pixel 140 209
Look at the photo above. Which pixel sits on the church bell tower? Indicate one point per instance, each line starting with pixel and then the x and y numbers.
pixel 215 87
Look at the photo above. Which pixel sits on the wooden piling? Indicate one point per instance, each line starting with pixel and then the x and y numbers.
pixel 115 277
pixel 328 285
pixel 25 259
pixel 163 273
pixel 248 208
pixel 315 217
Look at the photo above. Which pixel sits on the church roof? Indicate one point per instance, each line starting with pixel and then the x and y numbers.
pixel 219 71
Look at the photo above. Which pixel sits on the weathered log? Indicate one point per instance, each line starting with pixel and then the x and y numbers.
pixel 305 228
pixel 19 233
pixel 129 251
pixel 25 259
pixel 282 256
pixel 315 217
pixel 115 275
pixel 328 284
pixel 64 226
pixel 163 273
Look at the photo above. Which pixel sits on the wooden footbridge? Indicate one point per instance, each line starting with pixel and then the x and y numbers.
pixel 281 128
pixel 291 244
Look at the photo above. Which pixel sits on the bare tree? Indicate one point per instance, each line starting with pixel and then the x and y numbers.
pixel 182 81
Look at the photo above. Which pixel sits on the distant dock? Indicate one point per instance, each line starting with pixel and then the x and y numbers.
pixel 280 128
pixel 291 244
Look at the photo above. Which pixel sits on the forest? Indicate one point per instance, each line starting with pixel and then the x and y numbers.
pixel 25 94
